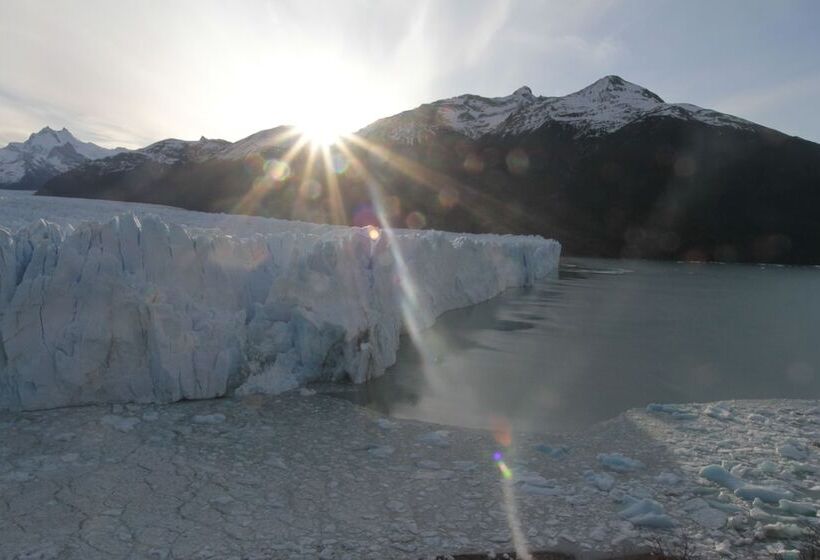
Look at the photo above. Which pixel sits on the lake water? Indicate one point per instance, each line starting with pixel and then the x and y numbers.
pixel 604 336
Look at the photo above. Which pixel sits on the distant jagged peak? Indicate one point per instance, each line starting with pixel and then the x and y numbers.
pixel 48 137
pixel 523 91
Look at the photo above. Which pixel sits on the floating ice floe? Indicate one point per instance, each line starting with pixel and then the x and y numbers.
pixel 782 530
pixel 438 438
pixel 718 411
pixel 646 513
pixel 554 451
pixel 216 418
pixel 619 462
pixel 799 508
pixel 533 483
pixel 602 481
pixel 120 423
pixel 793 450
pixel 741 489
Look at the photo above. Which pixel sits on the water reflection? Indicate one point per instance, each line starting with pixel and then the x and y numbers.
pixel 605 336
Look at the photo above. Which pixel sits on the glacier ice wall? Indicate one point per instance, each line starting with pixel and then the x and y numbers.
pixel 140 309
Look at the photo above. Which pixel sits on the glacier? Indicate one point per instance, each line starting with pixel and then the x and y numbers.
pixel 147 307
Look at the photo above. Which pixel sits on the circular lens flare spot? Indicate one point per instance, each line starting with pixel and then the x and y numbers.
pixel 314 189
pixel 278 170
pixel 339 163
pixel 448 197
pixel 518 162
pixel 415 220
pixel 473 163
pixel 374 233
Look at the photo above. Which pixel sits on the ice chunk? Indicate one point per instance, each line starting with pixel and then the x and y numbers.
pixel 768 467
pixel 381 451
pixel 720 476
pixel 554 451
pixel 799 508
pixel 804 468
pixel 602 481
pixel 768 494
pixel 647 513
pixel 782 530
pixel 386 424
pixel 704 514
pixel 793 450
pixel 120 423
pixel 534 483
pixel 668 479
pixel 718 411
pixel 619 462
pixel 215 418
pixel 438 438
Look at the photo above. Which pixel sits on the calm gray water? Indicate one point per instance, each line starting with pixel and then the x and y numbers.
pixel 605 336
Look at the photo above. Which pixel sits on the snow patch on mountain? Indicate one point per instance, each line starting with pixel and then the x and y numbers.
pixel 470 115
pixel 137 307
pixel 173 151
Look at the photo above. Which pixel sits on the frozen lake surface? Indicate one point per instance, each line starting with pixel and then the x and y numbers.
pixel 607 336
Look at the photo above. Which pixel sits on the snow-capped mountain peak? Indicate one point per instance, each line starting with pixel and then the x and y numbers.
pixel 602 107
pixel 47 138
pixel 612 88
pixel 46 153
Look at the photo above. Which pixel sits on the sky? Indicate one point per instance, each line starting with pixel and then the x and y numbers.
pixel 130 72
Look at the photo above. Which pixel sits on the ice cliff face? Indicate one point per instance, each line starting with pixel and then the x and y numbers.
pixel 141 309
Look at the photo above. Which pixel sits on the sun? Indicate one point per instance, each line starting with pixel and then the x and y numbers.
pixel 321 132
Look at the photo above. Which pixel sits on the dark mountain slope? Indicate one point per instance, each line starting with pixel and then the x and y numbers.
pixel 611 170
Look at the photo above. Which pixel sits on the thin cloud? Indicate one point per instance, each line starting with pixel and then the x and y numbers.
pixel 764 99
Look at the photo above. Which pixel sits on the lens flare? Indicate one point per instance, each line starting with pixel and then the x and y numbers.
pixel 340 163
pixel 373 233
pixel 506 472
pixel 448 197
pixel 473 163
pixel 518 162
pixel 313 189
pixel 278 170
pixel 502 430
pixel 415 220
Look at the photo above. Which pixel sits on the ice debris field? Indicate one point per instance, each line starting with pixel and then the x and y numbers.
pixel 304 475
pixel 111 302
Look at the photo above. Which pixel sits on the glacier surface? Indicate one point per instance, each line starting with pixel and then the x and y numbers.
pixel 159 307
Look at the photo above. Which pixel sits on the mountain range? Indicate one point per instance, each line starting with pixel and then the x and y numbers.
pixel 611 170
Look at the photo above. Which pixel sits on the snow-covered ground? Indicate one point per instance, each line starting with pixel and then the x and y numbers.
pixel 114 302
pixel 302 475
